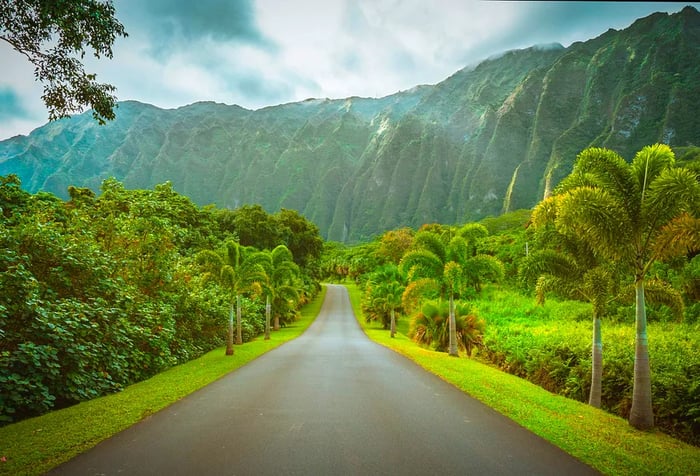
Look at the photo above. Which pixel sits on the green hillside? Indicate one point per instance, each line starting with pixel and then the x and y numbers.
pixel 491 138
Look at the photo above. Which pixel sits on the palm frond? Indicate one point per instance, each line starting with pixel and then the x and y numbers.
pixel 610 172
pixel 473 233
pixel 431 242
pixel 597 217
pixel 548 262
pixel 421 263
pixel 660 292
pixel 673 192
pixel 678 237
pixel 546 211
pixel 649 162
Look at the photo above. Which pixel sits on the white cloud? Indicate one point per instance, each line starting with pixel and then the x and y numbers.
pixel 283 51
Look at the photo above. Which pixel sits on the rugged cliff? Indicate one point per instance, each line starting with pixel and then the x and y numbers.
pixel 488 139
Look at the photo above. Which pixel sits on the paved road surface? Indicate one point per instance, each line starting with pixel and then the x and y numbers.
pixel 328 403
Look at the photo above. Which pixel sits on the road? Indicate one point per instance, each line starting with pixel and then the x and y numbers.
pixel 331 402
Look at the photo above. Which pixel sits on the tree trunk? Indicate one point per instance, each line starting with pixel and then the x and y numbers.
pixel 597 363
pixel 453 329
pixel 229 334
pixel 267 318
pixel 276 321
pixel 393 323
pixel 641 414
pixel 239 333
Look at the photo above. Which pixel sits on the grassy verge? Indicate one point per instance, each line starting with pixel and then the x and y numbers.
pixel 601 440
pixel 36 445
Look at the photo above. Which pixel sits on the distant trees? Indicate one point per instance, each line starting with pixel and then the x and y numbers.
pixel 54 37
pixel 282 285
pixel 383 296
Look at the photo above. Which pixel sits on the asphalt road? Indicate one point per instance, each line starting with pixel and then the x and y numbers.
pixel 331 402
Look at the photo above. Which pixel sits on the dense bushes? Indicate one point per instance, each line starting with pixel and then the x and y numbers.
pixel 100 292
pixel 550 345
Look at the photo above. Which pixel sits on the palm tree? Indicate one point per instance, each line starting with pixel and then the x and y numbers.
pixel 388 299
pixel 449 267
pixel 430 325
pixel 632 214
pixel 430 262
pixel 237 270
pixel 280 286
pixel 569 268
pixel 383 296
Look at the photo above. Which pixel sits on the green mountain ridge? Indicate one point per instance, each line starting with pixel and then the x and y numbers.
pixel 490 138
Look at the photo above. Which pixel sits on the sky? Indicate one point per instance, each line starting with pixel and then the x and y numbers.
pixel 257 53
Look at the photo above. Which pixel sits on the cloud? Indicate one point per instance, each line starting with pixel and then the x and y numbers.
pixel 175 24
pixel 257 53
pixel 10 106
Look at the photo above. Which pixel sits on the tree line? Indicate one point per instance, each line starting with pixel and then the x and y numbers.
pixel 611 234
pixel 103 291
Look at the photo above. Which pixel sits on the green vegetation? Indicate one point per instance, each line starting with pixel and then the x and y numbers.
pixel 633 215
pixel 604 441
pixel 100 292
pixel 38 444
pixel 558 254
pixel 54 38
pixel 105 291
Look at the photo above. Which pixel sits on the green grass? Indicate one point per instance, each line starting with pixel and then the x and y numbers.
pixel 36 445
pixel 603 441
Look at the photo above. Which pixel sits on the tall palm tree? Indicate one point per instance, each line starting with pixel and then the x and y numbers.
pixel 449 267
pixel 569 268
pixel 430 262
pixel 632 214
pixel 238 270
pixel 383 296
pixel 387 299
pixel 281 286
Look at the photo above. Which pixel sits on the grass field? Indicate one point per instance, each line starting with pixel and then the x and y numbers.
pixel 604 441
pixel 36 445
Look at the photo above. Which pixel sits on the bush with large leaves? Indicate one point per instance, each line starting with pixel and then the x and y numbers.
pixel 430 326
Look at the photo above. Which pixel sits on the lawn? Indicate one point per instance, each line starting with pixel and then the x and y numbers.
pixel 38 444
pixel 604 441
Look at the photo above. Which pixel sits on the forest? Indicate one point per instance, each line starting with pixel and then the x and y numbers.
pixel 103 290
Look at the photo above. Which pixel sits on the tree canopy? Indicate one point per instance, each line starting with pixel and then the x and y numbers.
pixel 54 36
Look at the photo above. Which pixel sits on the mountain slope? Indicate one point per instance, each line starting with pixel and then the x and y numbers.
pixel 488 139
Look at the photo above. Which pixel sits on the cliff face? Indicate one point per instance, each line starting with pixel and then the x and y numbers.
pixel 489 139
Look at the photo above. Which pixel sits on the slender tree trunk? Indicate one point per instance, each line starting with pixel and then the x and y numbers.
pixel 597 362
pixel 276 325
pixel 229 335
pixel 239 333
pixel 641 414
pixel 267 318
pixel 393 323
pixel 453 329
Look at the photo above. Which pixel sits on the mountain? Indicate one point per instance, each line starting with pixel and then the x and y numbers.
pixel 491 138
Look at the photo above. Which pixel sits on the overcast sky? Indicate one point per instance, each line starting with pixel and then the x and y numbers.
pixel 257 53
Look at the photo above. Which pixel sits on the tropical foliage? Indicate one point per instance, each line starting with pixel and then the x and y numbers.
pixel 102 291
pixel 633 214
pixel 430 326
pixel 589 282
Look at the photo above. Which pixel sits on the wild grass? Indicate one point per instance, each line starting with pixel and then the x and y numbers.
pixel 38 444
pixel 604 441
